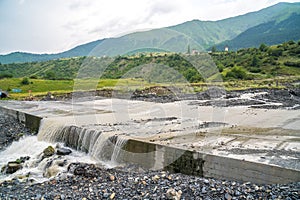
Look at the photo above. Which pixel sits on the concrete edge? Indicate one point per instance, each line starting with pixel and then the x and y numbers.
pixel 31 122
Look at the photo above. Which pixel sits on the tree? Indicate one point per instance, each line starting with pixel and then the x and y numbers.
pixel 189 50
pixel 255 61
pixel 50 75
pixel 25 81
pixel 263 47
pixel 213 49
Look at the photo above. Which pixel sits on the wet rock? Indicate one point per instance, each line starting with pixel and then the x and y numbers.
pixel 48 152
pixel 63 151
pixel 12 167
pixel 51 171
pixel 79 171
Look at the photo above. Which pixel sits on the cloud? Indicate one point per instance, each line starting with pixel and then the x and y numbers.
pixel 21 2
pixel 55 25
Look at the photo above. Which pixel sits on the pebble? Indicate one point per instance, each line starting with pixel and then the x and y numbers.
pixel 112 177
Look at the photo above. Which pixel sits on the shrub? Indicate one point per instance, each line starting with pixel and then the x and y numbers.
pixel 25 81
pixel 237 73
pixel 5 75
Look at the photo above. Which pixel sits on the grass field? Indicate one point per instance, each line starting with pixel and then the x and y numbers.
pixel 40 87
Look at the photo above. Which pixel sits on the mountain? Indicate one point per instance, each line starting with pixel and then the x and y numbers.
pixel 20 57
pixel 268 33
pixel 195 34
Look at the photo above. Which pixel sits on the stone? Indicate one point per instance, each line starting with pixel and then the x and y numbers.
pixel 172 194
pixel 63 151
pixel 155 178
pixel 112 178
pixel 228 196
pixel 112 196
pixel 12 167
pixel 48 152
pixel 51 171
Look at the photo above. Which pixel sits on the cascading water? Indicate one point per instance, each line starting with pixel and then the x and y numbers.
pixel 97 143
pixel 121 141
pixel 36 168
pixel 92 146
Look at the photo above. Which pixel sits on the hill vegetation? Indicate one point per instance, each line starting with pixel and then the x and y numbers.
pixel 244 64
pixel 274 32
pixel 246 68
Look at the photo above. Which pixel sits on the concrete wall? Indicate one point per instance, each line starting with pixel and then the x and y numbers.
pixel 206 165
pixel 30 121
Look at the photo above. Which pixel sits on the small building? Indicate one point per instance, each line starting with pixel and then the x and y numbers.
pixel 195 52
pixel 226 49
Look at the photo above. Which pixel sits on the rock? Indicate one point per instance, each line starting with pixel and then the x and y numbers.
pixel 172 194
pixel 48 152
pixel 112 196
pixel 12 167
pixel 155 178
pixel 63 151
pixel 22 159
pixel 105 195
pixel 144 182
pixel 61 163
pixel 203 191
pixel 228 196
pixel 51 171
pixel 79 171
pixel 112 177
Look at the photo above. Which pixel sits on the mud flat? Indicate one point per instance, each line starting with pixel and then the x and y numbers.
pixel 237 143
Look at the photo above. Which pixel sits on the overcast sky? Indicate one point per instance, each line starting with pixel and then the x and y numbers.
pixel 50 26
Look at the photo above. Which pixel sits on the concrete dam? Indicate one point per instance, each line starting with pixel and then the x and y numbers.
pixel 236 143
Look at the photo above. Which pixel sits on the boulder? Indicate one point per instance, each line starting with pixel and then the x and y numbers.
pixel 63 151
pixel 48 152
pixel 12 167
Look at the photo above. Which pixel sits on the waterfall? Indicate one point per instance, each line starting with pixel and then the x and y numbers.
pixel 36 168
pixel 121 141
pixel 104 146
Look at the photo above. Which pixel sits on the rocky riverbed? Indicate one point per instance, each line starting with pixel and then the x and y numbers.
pixel 10 130
pixel 90 181
pixel 215 96
pixel 87 181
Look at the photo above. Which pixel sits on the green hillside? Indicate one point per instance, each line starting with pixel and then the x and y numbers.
pixel 20 57
pixel 252 63
pixel 274 32
pixel 200 35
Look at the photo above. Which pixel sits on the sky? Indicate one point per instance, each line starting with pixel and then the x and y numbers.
pixel 52 26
